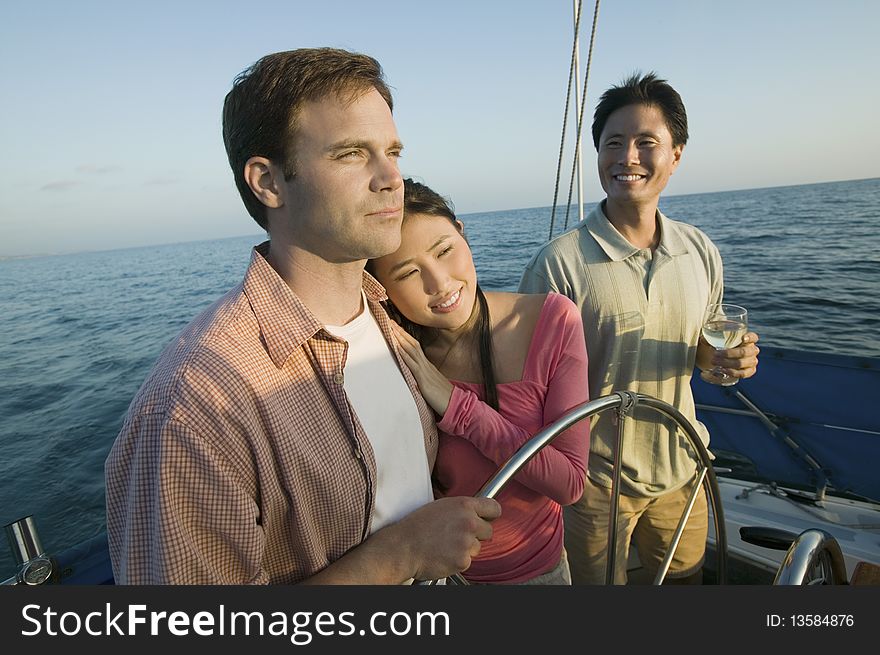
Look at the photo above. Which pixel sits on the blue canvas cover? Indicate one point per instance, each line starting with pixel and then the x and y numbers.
pixel 826 404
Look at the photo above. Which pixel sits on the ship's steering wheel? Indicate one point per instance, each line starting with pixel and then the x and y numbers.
pixel 624 402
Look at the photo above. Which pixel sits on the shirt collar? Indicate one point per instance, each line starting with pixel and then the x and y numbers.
pixel 618 248
pixel 285 322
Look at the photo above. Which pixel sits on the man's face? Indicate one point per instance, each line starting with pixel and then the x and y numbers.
pixel 636 155
pixel 345 201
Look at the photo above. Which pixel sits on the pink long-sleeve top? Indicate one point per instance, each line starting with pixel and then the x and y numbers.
pixel 475 441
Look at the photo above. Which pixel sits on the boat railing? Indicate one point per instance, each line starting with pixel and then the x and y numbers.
pixel 625 403
pixel 812 557
pixel 778 433
pixel 35 567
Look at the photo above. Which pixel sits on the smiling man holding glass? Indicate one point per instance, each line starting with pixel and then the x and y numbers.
pixel 643 283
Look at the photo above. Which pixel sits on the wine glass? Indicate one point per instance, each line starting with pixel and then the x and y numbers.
pixel 724 326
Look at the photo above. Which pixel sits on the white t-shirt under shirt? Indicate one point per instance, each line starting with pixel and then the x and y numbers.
pixel 384 405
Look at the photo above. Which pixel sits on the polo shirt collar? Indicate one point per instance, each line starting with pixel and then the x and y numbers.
pixel 285 322
pixel 618 248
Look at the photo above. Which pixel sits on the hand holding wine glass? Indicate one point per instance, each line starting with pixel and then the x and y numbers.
pixel 724 327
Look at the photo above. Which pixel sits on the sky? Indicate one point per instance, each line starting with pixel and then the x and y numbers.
pixel 110 112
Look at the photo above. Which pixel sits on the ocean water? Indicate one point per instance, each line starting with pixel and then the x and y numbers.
pixel 78 333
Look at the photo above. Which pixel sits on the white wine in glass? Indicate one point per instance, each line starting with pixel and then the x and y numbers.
pixel 724 326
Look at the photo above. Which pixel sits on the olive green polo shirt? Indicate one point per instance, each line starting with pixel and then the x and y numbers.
pixel 642 314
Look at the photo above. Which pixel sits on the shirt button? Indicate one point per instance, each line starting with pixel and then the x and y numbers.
pixel 338 378
pixel 357 454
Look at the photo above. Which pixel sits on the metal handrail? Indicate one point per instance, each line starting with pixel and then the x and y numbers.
pixel 776 431
pixel 812 548
pixel 35 566
pixel 704 474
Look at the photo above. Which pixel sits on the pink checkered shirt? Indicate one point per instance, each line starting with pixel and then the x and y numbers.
pixel 240 460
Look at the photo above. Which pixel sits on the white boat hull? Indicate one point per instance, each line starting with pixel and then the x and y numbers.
pixel 854 524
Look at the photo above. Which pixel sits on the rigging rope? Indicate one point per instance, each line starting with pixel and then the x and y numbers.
pixel 565 114
pixel 580 120
pixel 577 25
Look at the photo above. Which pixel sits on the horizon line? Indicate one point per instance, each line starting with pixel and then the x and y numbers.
pixel 5 257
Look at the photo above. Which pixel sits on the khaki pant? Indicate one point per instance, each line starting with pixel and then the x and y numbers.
pixel 649 523
pixel 558 575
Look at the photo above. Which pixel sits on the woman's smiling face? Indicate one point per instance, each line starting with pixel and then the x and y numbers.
pixel 431 277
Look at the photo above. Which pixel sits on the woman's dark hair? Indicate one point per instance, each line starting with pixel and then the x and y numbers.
pixel 420 199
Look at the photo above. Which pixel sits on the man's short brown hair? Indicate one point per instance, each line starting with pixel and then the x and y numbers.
pixel 260 112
